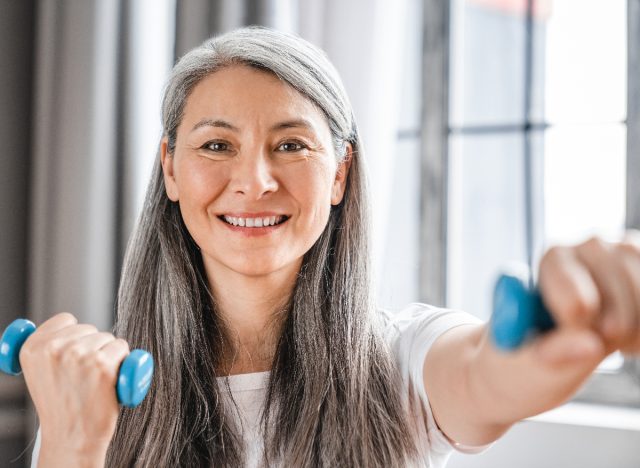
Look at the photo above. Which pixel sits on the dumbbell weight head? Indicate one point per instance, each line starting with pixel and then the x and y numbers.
pixel 12 340
pixel 134 378
pixel 518 313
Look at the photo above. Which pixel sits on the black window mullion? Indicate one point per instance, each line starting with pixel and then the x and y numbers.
pixel 528 150
pixel 633 115
pixel 434 152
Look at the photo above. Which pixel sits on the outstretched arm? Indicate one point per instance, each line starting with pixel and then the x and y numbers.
pixel 593 291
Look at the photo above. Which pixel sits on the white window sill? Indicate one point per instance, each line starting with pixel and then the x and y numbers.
pixel 593 415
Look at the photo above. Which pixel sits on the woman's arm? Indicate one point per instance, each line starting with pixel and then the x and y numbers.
pixel 593 291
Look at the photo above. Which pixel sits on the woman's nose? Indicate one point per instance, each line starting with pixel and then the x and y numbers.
pixel 252 176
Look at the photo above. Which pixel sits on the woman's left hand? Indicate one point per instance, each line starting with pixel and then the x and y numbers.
pixel 593 292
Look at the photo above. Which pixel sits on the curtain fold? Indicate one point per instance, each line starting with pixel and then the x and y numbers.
pixel 16 49
pixel 73 171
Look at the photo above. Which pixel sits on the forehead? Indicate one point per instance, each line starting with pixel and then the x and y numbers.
pixel 249 96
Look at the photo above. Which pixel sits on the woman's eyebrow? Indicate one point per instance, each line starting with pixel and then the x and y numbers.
pixel 214 123
pixel 294 123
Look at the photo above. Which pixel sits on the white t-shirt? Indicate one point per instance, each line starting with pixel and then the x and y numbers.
pixel 409 333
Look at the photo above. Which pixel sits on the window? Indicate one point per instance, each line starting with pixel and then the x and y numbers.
pixel 537 145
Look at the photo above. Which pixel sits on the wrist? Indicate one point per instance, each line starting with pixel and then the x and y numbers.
pixel 85 456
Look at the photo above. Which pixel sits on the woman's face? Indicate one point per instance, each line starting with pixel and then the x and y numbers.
pixel 254 172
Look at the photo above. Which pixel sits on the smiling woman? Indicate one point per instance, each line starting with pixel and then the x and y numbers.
pixel 248 279
pixel 252 325
pixel 267 333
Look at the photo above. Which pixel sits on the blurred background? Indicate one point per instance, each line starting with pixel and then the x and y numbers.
pixel 492 129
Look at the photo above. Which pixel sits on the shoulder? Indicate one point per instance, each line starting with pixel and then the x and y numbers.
pixel 421 321
pixel 410 332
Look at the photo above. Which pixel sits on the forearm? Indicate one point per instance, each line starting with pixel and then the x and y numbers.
pixel 509 387
pixel 450 382
pixel 482 392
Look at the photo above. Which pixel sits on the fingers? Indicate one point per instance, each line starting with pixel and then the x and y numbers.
pixel 570 346
pixel 628 254
pixel 56 340
pixel 62 339
pixel 116 350
pixel 100 352
pixel 596 285
pixel 87 348
pixel 57 322
pixel 567 287
pixel 613 272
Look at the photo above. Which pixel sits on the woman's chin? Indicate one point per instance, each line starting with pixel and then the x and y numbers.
pixel 260 268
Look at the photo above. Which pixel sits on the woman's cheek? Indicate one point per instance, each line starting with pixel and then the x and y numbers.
pixel 312 182
pixel 204 180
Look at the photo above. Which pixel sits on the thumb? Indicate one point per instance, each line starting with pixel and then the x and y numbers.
pixel 570 345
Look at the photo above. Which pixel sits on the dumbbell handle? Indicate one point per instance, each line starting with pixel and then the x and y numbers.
pixel 134 376
pixel 518 313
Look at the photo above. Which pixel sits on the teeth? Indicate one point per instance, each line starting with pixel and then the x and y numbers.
pixel 254 222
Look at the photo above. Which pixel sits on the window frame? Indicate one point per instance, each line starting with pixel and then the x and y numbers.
pixel 620 387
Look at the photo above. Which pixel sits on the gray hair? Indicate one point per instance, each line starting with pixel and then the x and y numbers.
pixel 334 396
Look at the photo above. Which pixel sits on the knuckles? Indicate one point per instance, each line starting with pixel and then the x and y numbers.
pixel 103 365
pixel 65 318
pixel 628 248
pixel 553 257
pixel 124 344
pixel 53 349
pixel 594 246
pixel 565 291
pixel 62 349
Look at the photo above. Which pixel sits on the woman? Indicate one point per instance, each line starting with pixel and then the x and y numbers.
pixel 247 278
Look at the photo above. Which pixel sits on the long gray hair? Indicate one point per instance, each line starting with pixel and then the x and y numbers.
pixel 334 396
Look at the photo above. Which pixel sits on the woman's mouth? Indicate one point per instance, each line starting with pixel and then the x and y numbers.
pixel 254 222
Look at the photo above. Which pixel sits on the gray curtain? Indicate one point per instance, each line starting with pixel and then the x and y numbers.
pixel 633 116
pixel 16 74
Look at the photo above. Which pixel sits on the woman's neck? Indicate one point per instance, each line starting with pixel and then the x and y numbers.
pixel 252 308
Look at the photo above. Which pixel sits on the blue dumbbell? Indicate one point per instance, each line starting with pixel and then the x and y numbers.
pixel 134 377
pixel 518 313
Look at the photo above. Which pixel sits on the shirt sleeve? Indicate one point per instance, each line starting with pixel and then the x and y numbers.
pixel 36 451
pixel 410 334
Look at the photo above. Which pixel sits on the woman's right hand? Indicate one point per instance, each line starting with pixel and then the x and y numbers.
pixel 71 372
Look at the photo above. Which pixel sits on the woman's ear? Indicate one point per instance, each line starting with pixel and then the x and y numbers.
pixel 167 161
pixel 340 182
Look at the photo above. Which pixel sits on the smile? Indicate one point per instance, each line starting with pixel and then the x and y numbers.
pixel 255 222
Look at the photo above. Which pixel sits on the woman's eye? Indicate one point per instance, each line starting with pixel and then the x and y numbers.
pixel 216 146
pixel 291 146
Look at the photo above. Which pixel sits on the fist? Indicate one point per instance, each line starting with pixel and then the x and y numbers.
pixel 593 291
pixel 71 371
